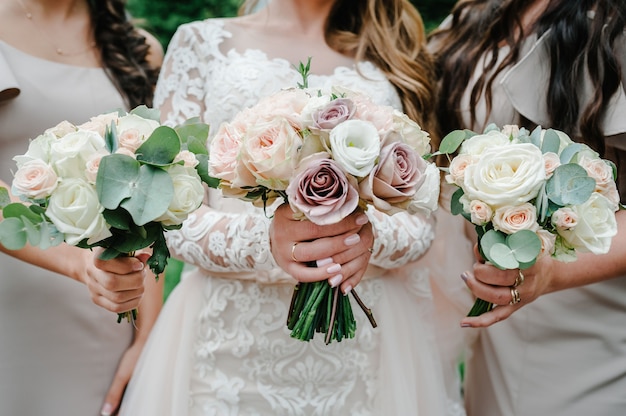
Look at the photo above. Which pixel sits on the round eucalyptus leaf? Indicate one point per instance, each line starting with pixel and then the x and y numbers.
pixel 535 136
pixel 146 112
pixel 569 152
pixel 570 185
pixel 19 210
pixel 150 196
pixel 12 233
pixel 451 142
pixel 503 257
pixel 551 142
pixel 525 245
pixel 161 148
pixel 117 178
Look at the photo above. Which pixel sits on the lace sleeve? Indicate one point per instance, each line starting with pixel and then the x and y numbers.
pixel 400 238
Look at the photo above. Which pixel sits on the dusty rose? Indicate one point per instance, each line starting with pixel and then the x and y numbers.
pixel 511 219
pixel 270 152
pixel 395 179
pixel 480 212
pixel 551 161
pixel 35 179
pixel 335 112
pixel 564 218
pixel 355 145
pixel 321 191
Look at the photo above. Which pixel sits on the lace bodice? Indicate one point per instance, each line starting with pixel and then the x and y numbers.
pixel 203 77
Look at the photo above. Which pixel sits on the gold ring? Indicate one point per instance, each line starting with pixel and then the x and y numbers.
pixel 519 280
pixel 293 253
pixel 371 250
pixel 515 298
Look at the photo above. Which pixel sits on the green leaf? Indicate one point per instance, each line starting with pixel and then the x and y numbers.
pixel 116 179
pixel 570 185
pixel 203 171
pixel 535 137
pixel 456 207
pixel 542 203
pixel 19 210
pixel 569 152
pixel 160 254
pixel 147 112
pixel 525 245
pixel 503 257
pixel 161 147
pixel 193 134
pixel 33 232
pixel 451 142
pixel 110 138
pixel 551 142
pixel 5 199
pixel 118 218
pixel 12 233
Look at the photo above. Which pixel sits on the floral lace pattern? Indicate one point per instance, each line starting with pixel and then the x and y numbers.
pixel 244 361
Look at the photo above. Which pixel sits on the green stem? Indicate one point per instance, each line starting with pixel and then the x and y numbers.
pixel 480 307
pixel 330 327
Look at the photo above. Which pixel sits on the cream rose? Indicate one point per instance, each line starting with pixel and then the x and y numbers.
pixel 35 179
pixel 511 219
pixel 596 226
pixel 138 127
pixel 61 129
pixel 355 145
pixel 547 242
pixel 478 144
pixel 564 218
pixel 188 158
pixel 69 154
pixel 480 213
pixel 600 171
pixel 505 175
pixel 100 123
pixel 188 195
pixel 75 211
pixel 456 170
pixel 551 161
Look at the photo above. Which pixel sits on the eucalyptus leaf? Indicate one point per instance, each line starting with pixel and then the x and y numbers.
pixel 150 195
pixel 146 112
pixel 161 148
pixel 5 199
pixel 525 245
pixel 542 203
pixel 118 218
pixel 33 232
pixel 203 171
pixel 456 207
pixel 12 233
pixel 551 142
pixel 20 210
pixel 491 127
pixel 451 142
pixel 535 137
pixel 567 154
pixel 488 240
pixel 570 184
pixel 110 137
pixel 160 254
pixel 117 178
pixel 503 257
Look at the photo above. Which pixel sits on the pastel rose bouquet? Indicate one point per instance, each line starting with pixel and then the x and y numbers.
pixel 326 154
pixel 118 181
pixel 530 195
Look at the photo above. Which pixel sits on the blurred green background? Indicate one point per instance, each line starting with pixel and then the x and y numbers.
pixel 162 17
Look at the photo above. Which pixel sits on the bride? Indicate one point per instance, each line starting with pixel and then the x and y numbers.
pixel 220 346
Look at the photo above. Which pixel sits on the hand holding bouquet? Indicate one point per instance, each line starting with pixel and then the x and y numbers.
pixel 118 181
pixel 531 194
pixel 326 154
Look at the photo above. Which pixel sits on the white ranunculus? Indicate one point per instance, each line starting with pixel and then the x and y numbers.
pixel 188 195
pixel 35 179
pixel 355 145
pixel 143 126
pixel 75 210
pixel 506 175
pixel 477 145
pixel 595 228
pixel 70 153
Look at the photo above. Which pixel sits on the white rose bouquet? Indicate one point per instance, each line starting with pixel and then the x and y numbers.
pixel 326 154
pixel 118 181
pixel 531 194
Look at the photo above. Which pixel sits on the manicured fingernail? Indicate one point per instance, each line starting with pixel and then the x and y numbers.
pixel 107 408
pixel 352 240
pixel 464 276
pixel 138 266
pixel 347 290
pixel 362 219
pixel 466 326
pixel 335 280
pixel 334 268
pixel 324 262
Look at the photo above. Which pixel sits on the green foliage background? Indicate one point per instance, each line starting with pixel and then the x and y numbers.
pixel 162 17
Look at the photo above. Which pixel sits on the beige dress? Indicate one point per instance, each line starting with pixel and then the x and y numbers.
pixel 564 354
pixel 58 351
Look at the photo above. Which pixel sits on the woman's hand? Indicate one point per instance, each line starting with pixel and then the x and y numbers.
pixel 116 285
pixel 338 252
pixel 498 286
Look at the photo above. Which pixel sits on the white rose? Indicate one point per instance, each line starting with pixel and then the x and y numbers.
pixel 100 123
pixel 355 145
pixel 35 180
pixel 143 126
pixel 551 161
pixel 411 132
pixel 511 219
pixel 76 212
pixel 188 195
pixel 38 148
pixel 480 213
pixel 506 175
pixel 476 145
pixel 61 129
pixel 426 198
pixel 69 154
pixel 596 226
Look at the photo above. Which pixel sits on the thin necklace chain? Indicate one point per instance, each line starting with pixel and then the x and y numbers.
pixel 59 51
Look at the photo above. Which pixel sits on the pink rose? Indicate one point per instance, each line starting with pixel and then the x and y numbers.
pixel 188 158
pixel 93 164
pixel 547 242
pixel 551 161
pixel 565 218
pixel 396 178
pixel 457 168
pixel 600 171
pixel 510 219
pixel 322 191
pixel 287 104
pixel 100 123
pixel 35 179
pixel 335 112
pixel 480 213
pixel 131 139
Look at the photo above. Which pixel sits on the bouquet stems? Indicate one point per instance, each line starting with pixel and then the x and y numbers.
pixel 480 306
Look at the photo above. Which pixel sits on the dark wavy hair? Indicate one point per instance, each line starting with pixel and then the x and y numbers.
pixel 576 43
pixel 124 52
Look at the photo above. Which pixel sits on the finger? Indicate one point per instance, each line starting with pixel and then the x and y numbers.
pixel 499 295
pixel 120 265
pixel 117 306
pixel 488 274
pixel 113 397
pixel 489 318
pixel 354 270
pixel 325 269
pixel 324 248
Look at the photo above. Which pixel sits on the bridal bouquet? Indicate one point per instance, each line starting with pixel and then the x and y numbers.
pixel 118 181
pixel 326 154
pixel 531 194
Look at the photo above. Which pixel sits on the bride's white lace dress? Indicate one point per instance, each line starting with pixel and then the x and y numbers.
pixel 221 346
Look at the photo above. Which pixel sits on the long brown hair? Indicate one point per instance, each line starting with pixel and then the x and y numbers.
pixel 390 34
pixel 124 52
pixel 576 45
